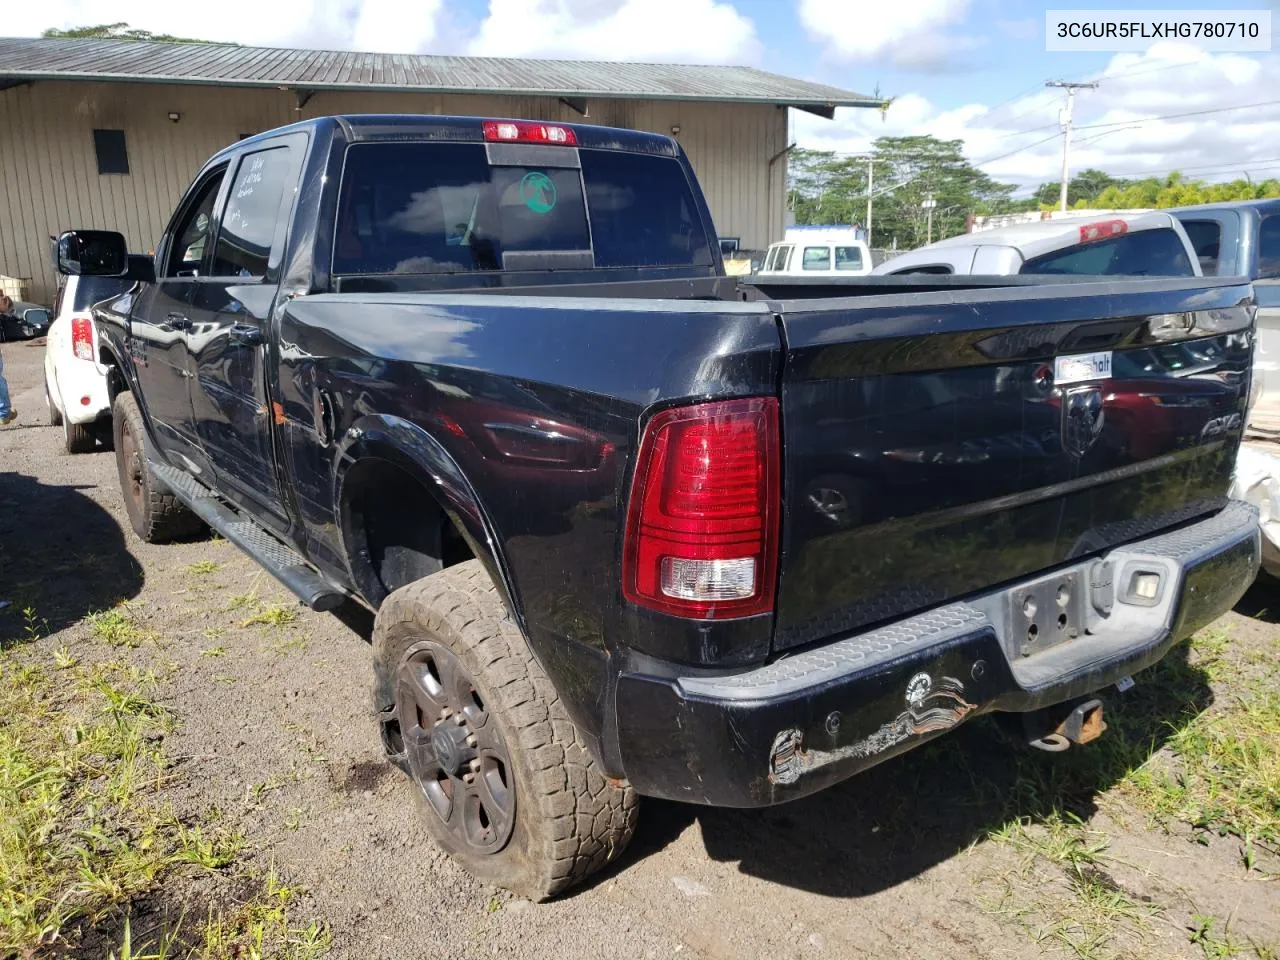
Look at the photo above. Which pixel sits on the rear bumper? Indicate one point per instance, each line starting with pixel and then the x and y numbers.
pixel 79 381
pixel 806 721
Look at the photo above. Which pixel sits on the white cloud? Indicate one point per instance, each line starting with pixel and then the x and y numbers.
pixel 1115 129
pixel 908 33
pixel 374 25
pixel 686 31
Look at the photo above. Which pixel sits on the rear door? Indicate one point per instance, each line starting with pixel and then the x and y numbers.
pixel 230 312
pixel 937 444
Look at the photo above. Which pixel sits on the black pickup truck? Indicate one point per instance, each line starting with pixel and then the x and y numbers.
pixel 633 527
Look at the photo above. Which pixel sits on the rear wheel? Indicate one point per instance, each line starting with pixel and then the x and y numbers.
pixel 505 781
pixel 55 416
pixel 78 437
pixel 155 514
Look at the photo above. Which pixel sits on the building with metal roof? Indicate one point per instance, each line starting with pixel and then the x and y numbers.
pixel 107 133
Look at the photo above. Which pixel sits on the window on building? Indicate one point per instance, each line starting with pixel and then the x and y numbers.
pixel 252 214
pixel 113 156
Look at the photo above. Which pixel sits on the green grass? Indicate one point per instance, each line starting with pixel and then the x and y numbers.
pixel 118 627
pixel 85 830
pixel 271 615
pixel 203 567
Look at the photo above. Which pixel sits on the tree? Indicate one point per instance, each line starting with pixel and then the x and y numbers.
pixel 117 31
pixel 828 188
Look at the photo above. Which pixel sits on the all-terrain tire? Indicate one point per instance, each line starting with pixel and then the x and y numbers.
pixel 570 819
pixel 155 514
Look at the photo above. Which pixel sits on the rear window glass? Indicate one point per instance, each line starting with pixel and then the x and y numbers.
pixel 816 258
pixel 1269 247
pixel 441 208
pixel 848 258
pixel 1206 241
pixel 1146 253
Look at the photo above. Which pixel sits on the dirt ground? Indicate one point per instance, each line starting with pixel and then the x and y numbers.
pixel 947 852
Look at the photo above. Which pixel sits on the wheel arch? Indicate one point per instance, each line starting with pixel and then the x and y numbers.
pixel 379 443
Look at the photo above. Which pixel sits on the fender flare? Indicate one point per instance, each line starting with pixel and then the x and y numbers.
pixel 414 450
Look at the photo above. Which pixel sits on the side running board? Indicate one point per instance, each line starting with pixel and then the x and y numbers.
pixel 282 562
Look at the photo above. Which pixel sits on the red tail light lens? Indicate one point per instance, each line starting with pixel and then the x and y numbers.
pixel 521 131
pixel 702 529
pixel 1102 230
pixel 82 337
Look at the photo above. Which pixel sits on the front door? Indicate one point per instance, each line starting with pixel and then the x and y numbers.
pixel 159 322
pixel 230 315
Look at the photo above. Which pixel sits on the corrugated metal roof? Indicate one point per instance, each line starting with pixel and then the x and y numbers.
pixel 206 63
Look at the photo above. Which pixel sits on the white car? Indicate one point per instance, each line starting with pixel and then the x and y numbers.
pixel 75 383
pixel 1144 244
pixel 818 252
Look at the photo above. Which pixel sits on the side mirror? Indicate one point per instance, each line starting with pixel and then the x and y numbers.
pixel 91 253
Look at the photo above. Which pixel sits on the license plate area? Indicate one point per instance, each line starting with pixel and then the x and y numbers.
pixel 1045 613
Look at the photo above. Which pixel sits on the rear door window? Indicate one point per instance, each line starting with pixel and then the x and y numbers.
pixel 252 214
pixel 442 208
pixel 848 258
pixel 816 258
pixel 1269 248
pixel 1146 253
pixel 1206 240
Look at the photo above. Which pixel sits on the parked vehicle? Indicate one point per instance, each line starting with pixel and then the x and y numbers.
pixel 24 321
pixel 1242 239
pixel 75 383
pixel 489 379
pixel 1145 244
pixel 817 252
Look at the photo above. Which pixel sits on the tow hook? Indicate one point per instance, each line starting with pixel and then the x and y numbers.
pixel 1082 725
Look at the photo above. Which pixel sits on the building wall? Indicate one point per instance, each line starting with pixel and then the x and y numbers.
pixel 49 179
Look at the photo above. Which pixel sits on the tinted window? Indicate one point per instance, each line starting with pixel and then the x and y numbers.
pixel 112 154
pixel 252 214
pixel 816 258
pixel 1269 247
pixel 848 258
pixel 189 238
pixel 785 257
pixel 91 290
pixel 642 211
pixel 937 268
pixel 1206 240
pixel 1147 253
pixel 433 208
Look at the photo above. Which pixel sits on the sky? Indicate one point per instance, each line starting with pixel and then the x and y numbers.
pixel 965 69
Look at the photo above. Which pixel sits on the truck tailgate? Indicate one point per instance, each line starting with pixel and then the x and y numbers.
pixel 940 443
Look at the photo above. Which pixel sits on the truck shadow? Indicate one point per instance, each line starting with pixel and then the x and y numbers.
pixel 897 820
pixel 62 556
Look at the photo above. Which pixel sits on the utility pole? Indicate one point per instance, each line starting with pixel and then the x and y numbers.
pixel 871 170
pixel 1064 118
pixel 929 204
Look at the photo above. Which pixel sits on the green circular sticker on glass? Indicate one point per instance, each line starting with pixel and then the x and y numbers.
pixel 538 192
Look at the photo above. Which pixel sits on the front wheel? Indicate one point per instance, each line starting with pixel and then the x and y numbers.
pixel 505 781
pixel 155 514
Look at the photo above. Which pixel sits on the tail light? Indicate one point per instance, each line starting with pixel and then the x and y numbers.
pixel 702 530
pixel 522 131
pixel 1102 230
pixel 82 337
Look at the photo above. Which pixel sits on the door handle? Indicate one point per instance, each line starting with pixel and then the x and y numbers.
pixel 246 335
pixel 179 321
